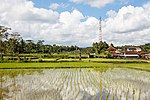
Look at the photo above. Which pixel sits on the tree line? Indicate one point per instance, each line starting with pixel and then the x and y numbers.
pixel 13 43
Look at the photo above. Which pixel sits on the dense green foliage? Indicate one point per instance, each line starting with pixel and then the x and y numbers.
pixel 100 47
pixel 13 44
pixel 146 47
pixel 18 45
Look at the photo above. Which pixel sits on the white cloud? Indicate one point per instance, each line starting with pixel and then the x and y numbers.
pixel 54 6
pixel 71 31
pixel 65 28
pixel 130 25
pixel 94 3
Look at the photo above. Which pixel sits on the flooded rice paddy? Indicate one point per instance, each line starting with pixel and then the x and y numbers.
pixel 75 84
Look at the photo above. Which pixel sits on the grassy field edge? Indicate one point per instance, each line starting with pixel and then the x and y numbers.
pixel 43 65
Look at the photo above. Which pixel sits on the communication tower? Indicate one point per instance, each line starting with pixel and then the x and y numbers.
pixel 100 29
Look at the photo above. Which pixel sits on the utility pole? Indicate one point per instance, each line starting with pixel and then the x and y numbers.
pixel 80 57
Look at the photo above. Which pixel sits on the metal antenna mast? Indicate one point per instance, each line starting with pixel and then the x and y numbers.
pixel 100 29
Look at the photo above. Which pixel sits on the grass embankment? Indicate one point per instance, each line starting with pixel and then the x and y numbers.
pixel 79 64
pixel 75 63
pixel 52 65
pixel 104 60
pixel 97 60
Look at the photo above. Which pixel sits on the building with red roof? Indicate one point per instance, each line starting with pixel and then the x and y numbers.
pixel 130 52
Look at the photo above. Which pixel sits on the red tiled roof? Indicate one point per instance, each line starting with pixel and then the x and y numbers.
pixel 111 49
pixel 130 52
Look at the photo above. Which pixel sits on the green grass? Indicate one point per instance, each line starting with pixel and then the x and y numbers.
pixel 52 65
pixel 139 66
pixel 104 60
pixel 75 63
pixel 98 60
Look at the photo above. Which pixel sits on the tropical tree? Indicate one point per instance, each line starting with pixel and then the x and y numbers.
pixel 95 47
pixel 40 47
pixel 29 46
pixel 14 42
pixel 3 35
pixel 22 46
pixel 146 47
pixel 100 47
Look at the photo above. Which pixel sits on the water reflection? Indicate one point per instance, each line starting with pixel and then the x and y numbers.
pixel 75 84
pixel 9 86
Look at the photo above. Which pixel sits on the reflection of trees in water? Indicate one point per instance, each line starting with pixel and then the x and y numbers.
pixel 11 88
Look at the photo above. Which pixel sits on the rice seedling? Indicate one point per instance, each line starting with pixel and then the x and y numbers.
pixel 76 84
pixel 139 96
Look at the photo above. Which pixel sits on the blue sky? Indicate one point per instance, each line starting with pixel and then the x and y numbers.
pixel 86 9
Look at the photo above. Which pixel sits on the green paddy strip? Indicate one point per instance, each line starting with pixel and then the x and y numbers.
pixel 51 65
pixel 82 64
